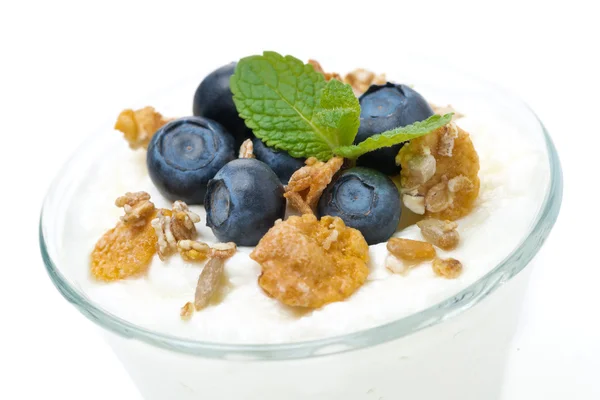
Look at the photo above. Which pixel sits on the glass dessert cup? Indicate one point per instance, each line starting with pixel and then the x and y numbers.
pixel 453 349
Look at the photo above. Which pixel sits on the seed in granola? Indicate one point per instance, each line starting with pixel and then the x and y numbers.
pixel 456 198
pixel 208 282
pixel 411 250
pixel 307 184
pixel 247 149
pixel 191 250
pixel 138 208
pixel 305 264
pixel 139 126
pixel 187 311
pixel 449 268
pixel 442 234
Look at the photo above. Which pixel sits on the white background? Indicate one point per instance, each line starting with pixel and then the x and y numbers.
pixel 67 67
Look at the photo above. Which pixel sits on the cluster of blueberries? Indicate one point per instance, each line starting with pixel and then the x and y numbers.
pixel 194 159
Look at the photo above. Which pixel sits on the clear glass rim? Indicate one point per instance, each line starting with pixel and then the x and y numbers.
pixel 452 306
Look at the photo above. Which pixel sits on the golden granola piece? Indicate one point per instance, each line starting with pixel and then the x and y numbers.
pixel 449 268
pixel 140 125
pixel 182 221
pixel 442 110
pixel 137 206
pixel 223 250
pixel 411 250
pixel 328 75
pixel 187 311
pixel 308 183
pixel 124 251
pixel 191 250
pixel 443 234
pixel 247 149
pixel 451 192
pixel 311 263
pixel 361 79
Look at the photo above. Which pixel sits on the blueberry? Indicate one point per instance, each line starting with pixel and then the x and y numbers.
pixel 280 161
pixel 213 99
pixel 385 107
pixel 185 154
pixel 366 200
pixel 243 202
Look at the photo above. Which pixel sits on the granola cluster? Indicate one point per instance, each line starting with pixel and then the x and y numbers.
pixel 309 263
pixel 360 79
pixel 308 183
pixel 439 175
pixel 138 126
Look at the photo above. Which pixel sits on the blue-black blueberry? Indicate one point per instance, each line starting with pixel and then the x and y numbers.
pixel 385 107
pixel 213 99
pixel 366 200
pixel 243 202
pixel 185 154
pixel 280 161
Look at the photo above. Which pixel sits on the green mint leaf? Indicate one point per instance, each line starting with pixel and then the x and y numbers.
pixel 394 136
pixel 289 106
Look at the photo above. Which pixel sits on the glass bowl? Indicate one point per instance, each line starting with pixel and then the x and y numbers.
pixel 450 342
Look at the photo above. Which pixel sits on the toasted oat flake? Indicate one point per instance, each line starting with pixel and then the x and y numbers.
pixel 447 138
pixel 438 197
pixel 303 266
pixel 442 234
pixel 308 183
pixel 187 311
pixel 166 242
pixel 139 126
pixel 247 149
pixel 411 250
pixel 208 282
pixel 449 268
pixel 414 203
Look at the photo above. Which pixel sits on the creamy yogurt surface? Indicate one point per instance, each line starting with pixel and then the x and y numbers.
pixel 514 179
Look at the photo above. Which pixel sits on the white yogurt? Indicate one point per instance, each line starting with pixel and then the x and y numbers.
pixel 514 178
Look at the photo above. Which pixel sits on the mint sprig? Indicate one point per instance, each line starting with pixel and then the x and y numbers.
pixel 290 106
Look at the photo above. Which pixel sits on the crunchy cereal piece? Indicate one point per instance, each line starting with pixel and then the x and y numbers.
pixel 361 79
pixel 137 206
pixel 124 251
pixel 223 250
pixel 191 250
pixel 305 264
pixel 209 281
pixel 138 126
pixel 442 110
pixel 411 250
pixel 187 311
pixel 328 75
pixel 449 268
pixel 182 221
pixel 414 203
pixel 247 149
pixel 442 234
pixel 446 195
pixel 307 184
pixel 166 242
